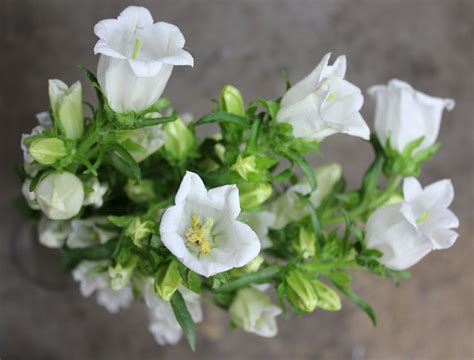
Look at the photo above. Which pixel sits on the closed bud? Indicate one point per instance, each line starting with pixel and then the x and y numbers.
pixel 60 195
pixel 47 151
pixel 231 100
pixel 251 267
pixel 167 280
pixel 139 230
pixel 120 274
pixel 328 299
pixel 179 141
pixel 253 194
pixel 305 243
pixel 300 291
pixel 245 165
pixel 140 192
pixel 66 104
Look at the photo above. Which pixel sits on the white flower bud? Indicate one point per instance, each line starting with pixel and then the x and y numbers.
pixel 60 195
pixel 66 103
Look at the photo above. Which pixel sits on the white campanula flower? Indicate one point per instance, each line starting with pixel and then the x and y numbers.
pixel 408 231
pixel 253 311
pixel 323 104
pixel 60 195
pixel 88 232
pixel 163 324
pixel 53 233
pixel 288 208
pixel 149 140
pixel 202 230
pixel 260 222
pixel 44 123
pixel 66 104
pixel 403 114
pixel 137 58
pixel 96 196
pixel 92 280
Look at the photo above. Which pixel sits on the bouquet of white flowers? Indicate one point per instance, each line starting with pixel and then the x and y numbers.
pixel 142 208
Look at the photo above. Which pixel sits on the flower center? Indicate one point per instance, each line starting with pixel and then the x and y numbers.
pixel 331 96
pixel 136 48
pixel 200 234
pixel 423 217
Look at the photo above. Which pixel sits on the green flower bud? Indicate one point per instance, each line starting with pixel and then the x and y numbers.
pixel 231 100
pixel 167 280
pixel 328 299
pixel 251 267
pixel 305 243
pixel 245 165
pixel 300 291
pixel 47 151
pixel 253 194
pixel 179 141
pixel 394 199
pixel 139 230
pixel 66 104
pixel 120 275
pixel 140 192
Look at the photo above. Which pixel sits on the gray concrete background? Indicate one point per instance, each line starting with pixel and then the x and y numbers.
pixel 246 42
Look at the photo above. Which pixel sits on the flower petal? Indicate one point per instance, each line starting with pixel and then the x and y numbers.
pixel 443 238
pixel 411 188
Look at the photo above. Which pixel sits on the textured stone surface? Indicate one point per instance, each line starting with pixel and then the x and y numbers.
pixel 427 43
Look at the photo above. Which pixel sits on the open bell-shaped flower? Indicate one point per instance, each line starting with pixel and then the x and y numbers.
pixel 137 58
pixel 202 229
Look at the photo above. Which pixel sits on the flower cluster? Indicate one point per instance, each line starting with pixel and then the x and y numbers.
pixel 143 209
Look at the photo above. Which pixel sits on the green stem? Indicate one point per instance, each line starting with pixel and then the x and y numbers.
pixel 255 132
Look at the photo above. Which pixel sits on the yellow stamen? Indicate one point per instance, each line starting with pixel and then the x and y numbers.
pixel 199 234
pixel 136 49
pixel 423 217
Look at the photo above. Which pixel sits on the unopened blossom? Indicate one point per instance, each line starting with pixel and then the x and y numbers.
pixel 323 104
pixel 253 311
pixel 137 58
pixel 93 277
pixel 60 195
pixel 53 233
pixel 288 207
pixel 88 232
pixel 150 139
pixel 403 114
pixel 44 123
pixel 66 104
pixel 202 229
pixel 163 324
pixel 408 231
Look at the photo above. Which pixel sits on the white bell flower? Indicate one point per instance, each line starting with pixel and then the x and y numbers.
pixel 88 232
pixel 253 311
pixel 44 123
pixel 92 281
pixel 288 208
pixel 60 195
pixel 96 197
pixel 150 139
pixel 137 58
pixel 163 324
pixel 323 104
pixel 53 233
pixel 260 222
pixel 202 230
pixel 407 232
pixel 403 114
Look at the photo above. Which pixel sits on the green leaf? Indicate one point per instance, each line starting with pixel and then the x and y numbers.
pixel 95 84
pixel 145 122
pixel 259 277
pixel 298 159
pixel 120 221
pixel 131 169
pixel 314 218
pixel 70 257
pixel 271 106
pixel 223 117
pixel 184 319
pixel 360 301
